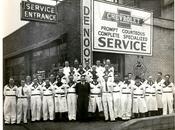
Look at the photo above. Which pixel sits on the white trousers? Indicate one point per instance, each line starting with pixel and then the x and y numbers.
pixel 126 106
pixel 151 103
pixel 117 104
pixel 167 100
pixel 48 108
pixel 22 107
pixel 95 102
pixel 159 100
pixel 10 109
pixel 139 105
pixel 108 106
pixel 60 103
pixel 36 107
pixel 72 105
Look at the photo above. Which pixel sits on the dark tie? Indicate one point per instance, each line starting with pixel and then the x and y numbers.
pixel 106 86
pixel 22 91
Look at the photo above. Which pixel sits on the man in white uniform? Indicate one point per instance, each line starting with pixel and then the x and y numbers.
pixel 66 69
pixel 10 102
pixel 22 102
pixel 150 97
pixel 139 104
pixel 71 99
pixel 167 95
pixel 95 101
pixel 35 92
pixel 107 99
pixel 158 82
pixel 48 103
pixel 126 90
pixel 117 96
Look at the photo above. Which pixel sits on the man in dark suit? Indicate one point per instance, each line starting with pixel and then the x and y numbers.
pixel 82 91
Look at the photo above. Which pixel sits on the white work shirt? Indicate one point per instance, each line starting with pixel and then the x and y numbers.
pixel 138 91
pixel 26 91
pixel 95 88
pixel 8 91
pixel 117 87
pixel 48 91
pixel 126 89
pixel 71 88
pixel 168 89
pixel 107 86
pixel 66 71
pixel 35 89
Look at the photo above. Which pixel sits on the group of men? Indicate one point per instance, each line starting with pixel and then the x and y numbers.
pixel 84 93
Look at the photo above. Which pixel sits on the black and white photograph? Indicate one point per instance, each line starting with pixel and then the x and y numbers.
pixel 87 65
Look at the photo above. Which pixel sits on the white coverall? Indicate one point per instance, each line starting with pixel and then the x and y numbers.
pixel 159 93
pixel 139 104
pixel 60 99
pixel 48 103
pixel 107 100
pixel 22 103
pixel 95 100
pixel 117 99
pixel 126 101
pixel 150 97
pixel 35 92
pixel 71 101
pixel 167 98
pixel 10 104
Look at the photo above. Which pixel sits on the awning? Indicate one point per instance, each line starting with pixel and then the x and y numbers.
pixel 35 46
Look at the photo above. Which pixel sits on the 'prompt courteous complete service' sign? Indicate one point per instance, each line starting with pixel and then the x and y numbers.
pixel 38 12
pixel 118 29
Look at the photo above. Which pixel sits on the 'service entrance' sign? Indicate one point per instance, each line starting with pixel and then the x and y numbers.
pixel 120 29
pixel 38 12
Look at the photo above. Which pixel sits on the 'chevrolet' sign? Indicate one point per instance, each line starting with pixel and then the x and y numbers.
pixel 38 12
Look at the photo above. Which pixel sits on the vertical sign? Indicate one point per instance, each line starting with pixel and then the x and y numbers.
pixel 86 31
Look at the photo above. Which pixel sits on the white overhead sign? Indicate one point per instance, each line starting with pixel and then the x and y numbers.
pixel 119 29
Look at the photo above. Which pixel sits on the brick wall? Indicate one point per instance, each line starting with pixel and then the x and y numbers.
pixel 163 51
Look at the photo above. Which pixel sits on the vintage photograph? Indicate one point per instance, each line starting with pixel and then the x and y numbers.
pixel 88 65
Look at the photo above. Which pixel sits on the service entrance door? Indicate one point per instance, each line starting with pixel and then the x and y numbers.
pixel 117 60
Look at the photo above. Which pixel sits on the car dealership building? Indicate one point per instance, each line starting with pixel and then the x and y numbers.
pixel 124 31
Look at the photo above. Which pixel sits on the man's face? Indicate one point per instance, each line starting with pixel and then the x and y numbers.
pixel 70 78
pixel 95 79
pixel 76 62
pixel 22 83
pixel 129 76
pixel 106 67
pixel 66 63
pixel 159 76
pixel 52 77
pixel 94 68
pixel 87 63
pixel 137 81
pixel 35 81
pixel 60 70
pixel 11 81
pixel 28 79
pixel 167 78
pixel 108 62
pixel 71 68
pixel 126 78
pixel 116 77
pixel 40 78
pixel 98 63
pixel 80 66
pixel 47 81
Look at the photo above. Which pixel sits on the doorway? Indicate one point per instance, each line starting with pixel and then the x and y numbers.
pixel 117 60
